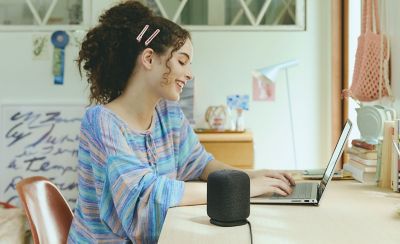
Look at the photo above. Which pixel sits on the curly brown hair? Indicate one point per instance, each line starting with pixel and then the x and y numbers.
pixel 109 51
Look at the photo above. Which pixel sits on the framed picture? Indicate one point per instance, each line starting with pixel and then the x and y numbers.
pixel 40 139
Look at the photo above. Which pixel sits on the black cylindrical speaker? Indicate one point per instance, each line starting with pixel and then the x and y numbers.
pixel 228 197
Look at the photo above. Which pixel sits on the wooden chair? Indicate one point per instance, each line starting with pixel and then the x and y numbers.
pixel 48 213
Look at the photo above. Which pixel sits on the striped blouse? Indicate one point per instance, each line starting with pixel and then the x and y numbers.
pixel 127 179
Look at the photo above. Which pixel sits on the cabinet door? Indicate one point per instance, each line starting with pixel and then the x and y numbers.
pixel 237 154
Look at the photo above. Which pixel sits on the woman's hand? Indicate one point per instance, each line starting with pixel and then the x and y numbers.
pixel 284 176
pixel 261 181
pixel 261 185
pixel 269 182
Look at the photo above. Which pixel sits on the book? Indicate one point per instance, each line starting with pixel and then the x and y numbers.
pixel 363 167
pixel 385 180
pixel 317 174
pixel 359 174
pixel 395 176
pixel 363 153
pixel 369 162
pixel 363 144
pixel 379 161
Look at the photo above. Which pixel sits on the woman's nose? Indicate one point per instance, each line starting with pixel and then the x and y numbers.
pixel 189 75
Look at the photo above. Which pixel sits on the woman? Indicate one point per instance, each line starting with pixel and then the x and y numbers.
pixel 137 150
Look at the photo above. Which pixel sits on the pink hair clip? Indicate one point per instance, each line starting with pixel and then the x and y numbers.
pixel 139 37
pixel 147 42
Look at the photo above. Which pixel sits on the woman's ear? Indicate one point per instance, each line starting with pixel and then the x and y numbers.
pixel 147 58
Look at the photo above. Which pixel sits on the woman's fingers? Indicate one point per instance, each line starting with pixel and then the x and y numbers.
pixel 264 185
pixel 279 191
pixel 277 183
pixel 278 175
pixel 290 178
pixel 285 187
pixel 285 176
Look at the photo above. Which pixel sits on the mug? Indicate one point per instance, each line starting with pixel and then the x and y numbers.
pixel 370 121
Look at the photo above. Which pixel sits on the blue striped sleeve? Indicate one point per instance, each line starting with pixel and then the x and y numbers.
pixel 192 157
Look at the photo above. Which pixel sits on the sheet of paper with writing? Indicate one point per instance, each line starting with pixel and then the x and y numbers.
pixel 39 139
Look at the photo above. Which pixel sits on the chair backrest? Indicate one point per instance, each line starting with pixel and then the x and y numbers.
pixel 49 214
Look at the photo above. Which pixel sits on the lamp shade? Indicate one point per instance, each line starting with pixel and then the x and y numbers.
pixel 271 72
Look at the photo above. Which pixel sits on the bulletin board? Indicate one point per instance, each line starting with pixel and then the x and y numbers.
pixel 39 139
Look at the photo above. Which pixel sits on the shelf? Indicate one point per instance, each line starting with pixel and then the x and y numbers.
pixel 225 137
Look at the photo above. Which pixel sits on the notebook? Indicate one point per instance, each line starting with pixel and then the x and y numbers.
pixel 310 192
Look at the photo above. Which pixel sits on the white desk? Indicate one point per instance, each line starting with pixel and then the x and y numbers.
pixel 350 212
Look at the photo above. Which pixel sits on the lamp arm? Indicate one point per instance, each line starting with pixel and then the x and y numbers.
pixel 291 118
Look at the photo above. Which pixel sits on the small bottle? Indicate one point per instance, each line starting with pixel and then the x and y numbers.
pixel 231 119
pixel 240 120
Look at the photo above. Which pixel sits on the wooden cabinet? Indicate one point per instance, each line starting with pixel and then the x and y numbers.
pixel 236 149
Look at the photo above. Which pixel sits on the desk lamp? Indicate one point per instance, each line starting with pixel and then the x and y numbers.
pixel 269 74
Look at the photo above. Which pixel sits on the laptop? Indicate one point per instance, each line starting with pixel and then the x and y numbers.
pixel 310 192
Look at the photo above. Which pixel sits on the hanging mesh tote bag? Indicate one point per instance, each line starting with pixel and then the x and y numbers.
pixel 371 69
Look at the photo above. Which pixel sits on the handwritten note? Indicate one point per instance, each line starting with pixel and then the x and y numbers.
pixel 39 140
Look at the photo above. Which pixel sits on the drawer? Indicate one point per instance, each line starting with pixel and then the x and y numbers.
pixel 238 154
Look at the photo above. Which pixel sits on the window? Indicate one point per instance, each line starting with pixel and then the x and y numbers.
pixel 44 14
pixel 233 14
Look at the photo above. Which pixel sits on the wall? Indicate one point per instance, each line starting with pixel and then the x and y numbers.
pixel 222 65
pixel 354 32
pixel 223 62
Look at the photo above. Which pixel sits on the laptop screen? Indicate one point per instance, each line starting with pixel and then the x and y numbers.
pixel 335 157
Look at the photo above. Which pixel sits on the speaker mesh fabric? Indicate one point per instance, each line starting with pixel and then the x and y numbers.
pixel 228 197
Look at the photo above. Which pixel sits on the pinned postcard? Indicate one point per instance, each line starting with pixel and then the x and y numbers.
pixel 238 102
pixel 263 89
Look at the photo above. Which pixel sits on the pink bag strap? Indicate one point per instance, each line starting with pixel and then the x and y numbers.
pixel 364 16
pixel 376 12
pixel 367 17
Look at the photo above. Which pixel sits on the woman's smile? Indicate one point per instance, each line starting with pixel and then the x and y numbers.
pixel 179 85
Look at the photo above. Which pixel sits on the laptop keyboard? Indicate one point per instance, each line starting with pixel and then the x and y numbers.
pixel 302 190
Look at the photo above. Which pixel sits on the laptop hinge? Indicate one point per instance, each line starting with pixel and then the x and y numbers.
pixel 318 192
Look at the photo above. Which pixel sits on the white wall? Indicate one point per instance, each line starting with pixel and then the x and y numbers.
pixel 223 62
pixel 23 79
pixel 222 65
pixel 354 32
